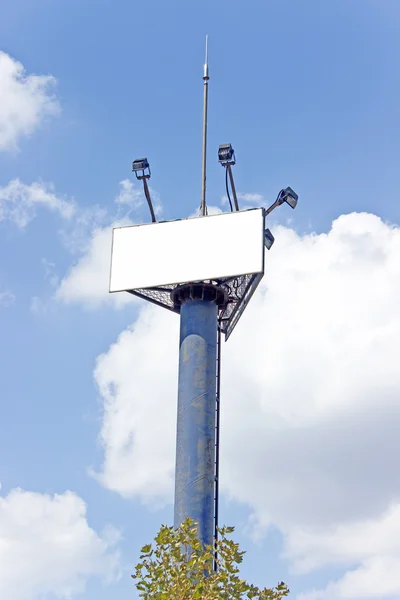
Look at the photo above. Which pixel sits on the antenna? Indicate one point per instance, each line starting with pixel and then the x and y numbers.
pixel 206 77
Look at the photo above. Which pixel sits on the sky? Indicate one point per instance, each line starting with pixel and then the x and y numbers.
pixel 308 94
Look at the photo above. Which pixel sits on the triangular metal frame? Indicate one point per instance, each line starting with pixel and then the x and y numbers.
pixel 238 290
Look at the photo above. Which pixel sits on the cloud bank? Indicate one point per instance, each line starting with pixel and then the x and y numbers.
pixel 87 282
pixel 25 101
pixel 310 411
pixel 19 202
pixel 48 548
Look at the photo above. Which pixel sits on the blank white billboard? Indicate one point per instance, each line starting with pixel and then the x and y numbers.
pixel 172 252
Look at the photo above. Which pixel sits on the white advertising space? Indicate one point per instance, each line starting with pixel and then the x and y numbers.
pixel 188 250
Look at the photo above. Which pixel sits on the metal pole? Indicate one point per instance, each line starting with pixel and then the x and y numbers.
pixel 195 445
pixel 204 163
pixel 217 438
pixel 271 208
pixel 147 194
pixel 228 166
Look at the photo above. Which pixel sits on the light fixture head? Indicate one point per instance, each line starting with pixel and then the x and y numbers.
pixel 268 239
pixel 226 154
pixel 141 165
pixel 289 196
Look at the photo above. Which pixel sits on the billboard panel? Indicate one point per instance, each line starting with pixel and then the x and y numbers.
pixel 145 256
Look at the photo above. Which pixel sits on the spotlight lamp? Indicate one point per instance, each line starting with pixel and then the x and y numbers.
pixel 141 168
pixel 226 154
pixel 289 196
pixel 226 157
pixel 268 239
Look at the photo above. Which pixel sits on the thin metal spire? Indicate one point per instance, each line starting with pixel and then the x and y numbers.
pixel 206 61
pixel 205 107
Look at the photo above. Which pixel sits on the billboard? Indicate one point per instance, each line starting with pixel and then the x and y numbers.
pixel 196 249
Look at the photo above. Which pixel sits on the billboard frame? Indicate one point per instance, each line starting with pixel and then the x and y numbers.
pixel 239 288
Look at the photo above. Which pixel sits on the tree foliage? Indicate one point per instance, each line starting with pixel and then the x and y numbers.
pixel 178 567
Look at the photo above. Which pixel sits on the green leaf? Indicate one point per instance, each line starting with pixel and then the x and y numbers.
pixel 180 568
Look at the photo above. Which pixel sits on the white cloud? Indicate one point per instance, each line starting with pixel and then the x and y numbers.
pixel 6 299
pixel 19 202
pixel 129 195
pixel 48 548
pixel 75 237
pixel 125 435
pixel 87 281
pixel 25 100
pixel 132 196
pixel 310 389
pixel 254 199
pixel 373 545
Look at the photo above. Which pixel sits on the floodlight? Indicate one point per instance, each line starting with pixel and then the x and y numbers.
pixel 226 154
pixel 141 165
pixel 290 197
pixel 268 239
pixel 287 195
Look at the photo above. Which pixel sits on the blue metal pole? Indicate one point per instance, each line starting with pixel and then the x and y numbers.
pixel 195 447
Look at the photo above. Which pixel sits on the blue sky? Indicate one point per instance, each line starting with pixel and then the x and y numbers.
pixel 308 93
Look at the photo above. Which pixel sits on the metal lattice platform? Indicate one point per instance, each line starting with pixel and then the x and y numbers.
pixel 238 291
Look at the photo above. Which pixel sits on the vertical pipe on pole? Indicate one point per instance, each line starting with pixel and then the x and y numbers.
pixel 195 446
pixel 217 439
pixel 206 77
